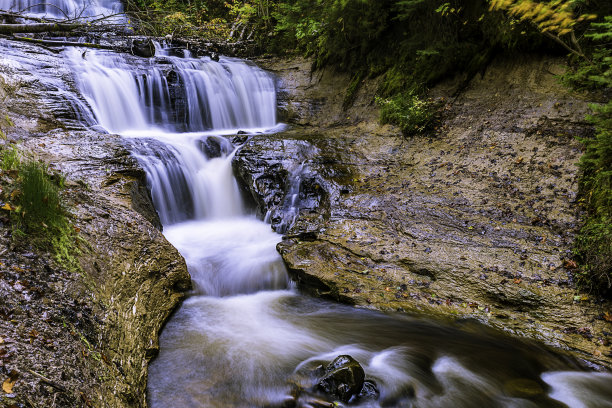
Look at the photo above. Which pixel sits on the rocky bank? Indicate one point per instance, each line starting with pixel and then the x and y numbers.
pixel 475 220
pixel 80 338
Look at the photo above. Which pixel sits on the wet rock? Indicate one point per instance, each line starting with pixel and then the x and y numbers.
pixel 143 48
pixel 369 391
pixel 238 140
pixel 214 147
pixel 343 378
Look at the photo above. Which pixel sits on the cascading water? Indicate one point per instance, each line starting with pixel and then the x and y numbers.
pixel 244 331
pixel 173 94
pixel 66 9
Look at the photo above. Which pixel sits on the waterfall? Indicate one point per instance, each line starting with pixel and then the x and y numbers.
pixel 174 94
pixel 64 9
pixel 190 173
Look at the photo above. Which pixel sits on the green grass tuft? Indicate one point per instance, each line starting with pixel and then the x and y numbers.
pixel 37 215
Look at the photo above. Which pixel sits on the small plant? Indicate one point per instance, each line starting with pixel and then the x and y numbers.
pixel 9 158
pixel 594 248
pixel 409 112
pixel 36 213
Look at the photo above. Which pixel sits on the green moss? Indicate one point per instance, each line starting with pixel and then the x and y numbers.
pixel 9 158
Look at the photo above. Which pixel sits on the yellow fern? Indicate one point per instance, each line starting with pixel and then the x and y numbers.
pixel 556 17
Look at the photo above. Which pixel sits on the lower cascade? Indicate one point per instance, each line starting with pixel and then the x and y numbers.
pixel 245 337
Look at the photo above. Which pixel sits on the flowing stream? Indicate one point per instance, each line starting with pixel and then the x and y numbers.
pixel 245 334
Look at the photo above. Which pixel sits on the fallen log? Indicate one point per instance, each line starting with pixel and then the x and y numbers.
pixel 56 43
pixel 39 27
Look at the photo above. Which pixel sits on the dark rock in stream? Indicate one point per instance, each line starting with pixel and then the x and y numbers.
pixel 325 384
pixel 143 48
pixel 369 391
pixel 343 378
pixel 214 147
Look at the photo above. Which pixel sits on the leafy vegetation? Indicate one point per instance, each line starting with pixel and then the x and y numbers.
pixel 411 113
pixel 31 197
pixel 594 243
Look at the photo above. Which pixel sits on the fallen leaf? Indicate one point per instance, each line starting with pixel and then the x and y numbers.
pixel 569 264
pixel 7 207
pixel 86 400
pixel 607 317
pixel 33 334
pixel 9 383
pixel 517 280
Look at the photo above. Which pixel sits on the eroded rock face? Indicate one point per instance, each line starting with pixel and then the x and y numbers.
pixel 473 220
pixel 103 323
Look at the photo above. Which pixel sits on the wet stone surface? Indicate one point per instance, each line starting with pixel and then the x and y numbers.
pixel 476 219
pixel 342 378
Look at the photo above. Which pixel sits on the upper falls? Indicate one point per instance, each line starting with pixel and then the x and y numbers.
pixel 173 94
pixel 66 9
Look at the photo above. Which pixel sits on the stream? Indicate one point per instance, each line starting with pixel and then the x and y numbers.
pixel 245 337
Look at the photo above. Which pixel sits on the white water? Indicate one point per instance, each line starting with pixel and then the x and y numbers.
pixel 244 332
pixel 65 9
pixel 222 96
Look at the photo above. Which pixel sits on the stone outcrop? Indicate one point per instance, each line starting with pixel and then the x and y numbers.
pixel 474 220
